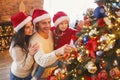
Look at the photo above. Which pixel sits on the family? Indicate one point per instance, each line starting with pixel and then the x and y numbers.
pixel 36 46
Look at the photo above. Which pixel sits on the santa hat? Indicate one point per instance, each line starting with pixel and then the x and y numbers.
pixel 19 20
pixel 59 17
pixel 39 15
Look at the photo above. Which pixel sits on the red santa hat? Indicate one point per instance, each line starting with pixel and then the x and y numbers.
pixel 19 20
pixel 59 17
pixel 39 15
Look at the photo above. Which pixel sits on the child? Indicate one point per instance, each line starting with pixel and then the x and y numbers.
pixel 62 33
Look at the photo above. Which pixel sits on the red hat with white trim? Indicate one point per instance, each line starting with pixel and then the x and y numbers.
pixel 19 20
pixel 59 17
pixel 39 15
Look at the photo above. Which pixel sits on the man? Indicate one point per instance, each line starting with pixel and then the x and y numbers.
pixel 43 36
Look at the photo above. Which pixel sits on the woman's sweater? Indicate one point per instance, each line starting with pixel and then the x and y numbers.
pixel 22 62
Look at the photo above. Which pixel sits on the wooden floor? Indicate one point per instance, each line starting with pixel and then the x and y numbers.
pixel 5 62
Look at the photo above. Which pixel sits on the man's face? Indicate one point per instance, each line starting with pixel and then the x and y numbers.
pixel 44 25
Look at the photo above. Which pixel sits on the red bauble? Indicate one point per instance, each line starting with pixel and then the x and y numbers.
pixel 115 73
pixel 90 77
pixel 103 64
pixel 102 75
pixel 52 78
pixel 101 22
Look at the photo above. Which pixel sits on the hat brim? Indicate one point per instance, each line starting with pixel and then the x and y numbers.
pixel 59 20
pixel 39 18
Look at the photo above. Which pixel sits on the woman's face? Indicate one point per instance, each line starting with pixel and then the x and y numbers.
pixel 63 25
pixel 28 30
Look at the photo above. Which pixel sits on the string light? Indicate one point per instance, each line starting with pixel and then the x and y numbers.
pixel 5 36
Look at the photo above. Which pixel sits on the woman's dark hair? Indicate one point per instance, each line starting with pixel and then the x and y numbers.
pixel 21 39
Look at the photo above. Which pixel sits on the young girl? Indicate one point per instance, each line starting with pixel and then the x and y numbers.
pixel 21 53
pixel 62 35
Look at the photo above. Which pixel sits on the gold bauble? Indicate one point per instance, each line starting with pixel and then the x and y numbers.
pixel 118 52
pixel 79 58
pixel 79 71
pixel 82 78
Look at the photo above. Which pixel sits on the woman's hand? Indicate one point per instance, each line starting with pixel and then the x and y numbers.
pixel 33 49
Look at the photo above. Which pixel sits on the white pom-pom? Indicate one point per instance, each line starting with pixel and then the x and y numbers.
pixel 107 21
pixel 57 71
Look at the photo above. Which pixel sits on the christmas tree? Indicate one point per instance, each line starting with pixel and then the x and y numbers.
pixel 98 46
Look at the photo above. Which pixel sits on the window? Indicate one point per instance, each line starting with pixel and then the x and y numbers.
pixel 74 8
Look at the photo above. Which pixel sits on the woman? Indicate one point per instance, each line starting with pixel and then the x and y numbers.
pixel 21 53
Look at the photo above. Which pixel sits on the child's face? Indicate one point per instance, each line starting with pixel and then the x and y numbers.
pixel 63 25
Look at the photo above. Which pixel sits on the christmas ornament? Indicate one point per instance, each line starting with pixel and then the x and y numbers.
pixel 115 63
pixel 99 53
pixel 62 77
pixel 79 71
pixel 118 52
pixel 103 38
pixel 91 46
pixel 52 78
pixel 103 64
pixel 101 22
pixel 115 73
pixel 89 11
pixel 107 21
pixel 85 39
pixel 93 32
pixel 108 41
pixel 102 75
pixel 57 71
pixel 99 12
pixel 82 57
pixel 91 67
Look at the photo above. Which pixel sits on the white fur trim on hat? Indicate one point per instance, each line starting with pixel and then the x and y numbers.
pixel 39 18
pixel 19 26
pixel 59 20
